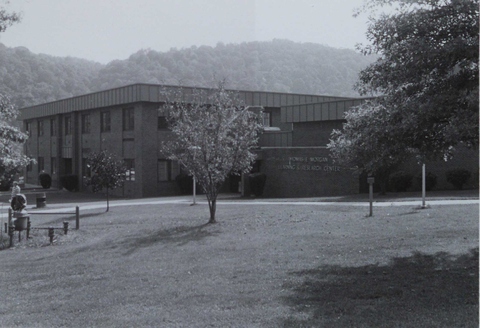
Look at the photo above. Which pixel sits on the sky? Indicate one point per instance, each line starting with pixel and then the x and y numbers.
pixel 105 30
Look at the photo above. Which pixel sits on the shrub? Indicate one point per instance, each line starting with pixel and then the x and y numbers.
pixel 458 177
pixel 400 181
pixel 430 181
pixel 69 182
pixel 257 183
pixel 45 180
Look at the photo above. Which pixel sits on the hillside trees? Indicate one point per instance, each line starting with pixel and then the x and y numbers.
pixel 427 76
pixel 214 136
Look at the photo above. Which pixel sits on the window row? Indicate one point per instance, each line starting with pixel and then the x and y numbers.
pixel 128 120
pixel 167 170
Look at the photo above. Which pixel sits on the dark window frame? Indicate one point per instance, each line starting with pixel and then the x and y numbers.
pixel 105 121
pixel 128 115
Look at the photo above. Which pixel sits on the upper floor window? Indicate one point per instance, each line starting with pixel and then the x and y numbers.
pixel 40 128
pixel 68 125
pixel 86 123
pixel 128 119
pixel 105 121
pixel 53 127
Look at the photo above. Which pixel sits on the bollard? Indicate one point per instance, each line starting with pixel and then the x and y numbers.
pixel 29 225
pixel 51 233
pixel 65 227
pixel 77 218
pixel 11 229
pixel 6 227
pixel 41 200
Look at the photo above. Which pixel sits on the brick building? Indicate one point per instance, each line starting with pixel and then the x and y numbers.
pixel 127 121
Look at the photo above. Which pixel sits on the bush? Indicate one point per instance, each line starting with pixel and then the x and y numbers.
pixel 45 180
pixel 69 182
pixel 400 181
pixel 257 183
pixel 5 184
pixel 458 177
pixel 430 181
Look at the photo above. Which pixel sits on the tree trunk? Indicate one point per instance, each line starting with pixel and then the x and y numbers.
pixel 108 204
pixel 212 204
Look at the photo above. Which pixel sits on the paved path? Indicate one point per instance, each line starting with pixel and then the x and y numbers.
pixel 70 207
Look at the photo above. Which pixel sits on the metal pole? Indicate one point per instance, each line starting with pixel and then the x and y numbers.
pixel 424 186
pixel 77 217
pixel 370 189
pixel 194 190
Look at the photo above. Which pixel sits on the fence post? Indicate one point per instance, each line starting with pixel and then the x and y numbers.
pixel 51 233
pixel 10 234
pixel 77 217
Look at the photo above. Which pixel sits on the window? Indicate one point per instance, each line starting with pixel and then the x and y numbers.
pixel 53 165
pixel 130 166
pixel 86 170
pixel 28 127
pixel 162 123
pixel 53 127
pixel 86 123
pixel 41 164
pixel 266 119
pixel 29 167
pixel 128 119
pixel 68 125
pixel 165 171
pixel 40 128
pixel 105 121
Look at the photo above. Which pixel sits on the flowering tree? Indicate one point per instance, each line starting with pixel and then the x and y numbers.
pixel 11 140
pixel 107 172
pixel 213 137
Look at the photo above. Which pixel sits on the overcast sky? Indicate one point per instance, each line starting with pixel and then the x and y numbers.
pixel 104 30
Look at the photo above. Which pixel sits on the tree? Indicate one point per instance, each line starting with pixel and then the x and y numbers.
pixel 106 172
pixel 426 79
pixel 367 143
pixel 214 136
pixel 12 159
pixel 7 19
pixel 427 71
pixel 11 138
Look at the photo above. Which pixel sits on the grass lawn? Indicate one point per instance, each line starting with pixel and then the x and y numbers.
pixel 260 266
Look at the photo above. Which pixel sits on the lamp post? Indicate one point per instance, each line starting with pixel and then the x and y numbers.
pixel 194 149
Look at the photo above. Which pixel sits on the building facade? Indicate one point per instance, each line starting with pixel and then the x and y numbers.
pixel 128 121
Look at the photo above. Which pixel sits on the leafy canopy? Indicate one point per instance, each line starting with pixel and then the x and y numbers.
pixel 107 171
pixel 426 80
pixel 214 136
pixel 427 71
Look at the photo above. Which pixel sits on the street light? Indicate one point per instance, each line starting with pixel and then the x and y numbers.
pixel 194 148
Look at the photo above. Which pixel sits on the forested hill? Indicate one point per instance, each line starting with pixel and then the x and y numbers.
pixel 279 65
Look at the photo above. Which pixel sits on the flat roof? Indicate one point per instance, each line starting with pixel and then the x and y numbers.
pixel 156 93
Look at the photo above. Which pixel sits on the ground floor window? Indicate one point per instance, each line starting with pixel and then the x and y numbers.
pixel 130 166
pixel 41 164
pixel 167 170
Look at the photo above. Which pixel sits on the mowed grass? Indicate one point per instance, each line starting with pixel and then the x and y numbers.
pixel 259 266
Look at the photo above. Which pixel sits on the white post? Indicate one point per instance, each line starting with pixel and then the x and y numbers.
pixel 194 190
pixel 424 186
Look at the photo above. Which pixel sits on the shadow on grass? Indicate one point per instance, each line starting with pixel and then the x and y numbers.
pixel 422 290
pixel 179 236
